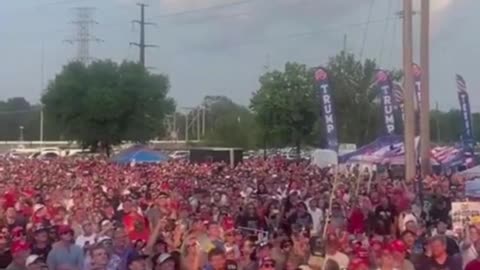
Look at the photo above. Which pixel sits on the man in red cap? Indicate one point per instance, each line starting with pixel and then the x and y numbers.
pixel 399 252
pixel 20 252
pixel 358 264
pixel 65 253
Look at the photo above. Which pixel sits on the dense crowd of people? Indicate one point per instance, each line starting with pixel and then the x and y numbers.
pixel 90 214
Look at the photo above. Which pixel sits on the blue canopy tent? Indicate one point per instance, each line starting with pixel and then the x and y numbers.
pixel 472 188
pixel 382 143
pixel 139 154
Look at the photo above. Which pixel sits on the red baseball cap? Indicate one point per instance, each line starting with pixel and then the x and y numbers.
pixel 398 246
pixel 62 229
pixel 19 246
pixel 356 263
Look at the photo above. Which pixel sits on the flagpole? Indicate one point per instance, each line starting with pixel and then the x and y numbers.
pixel 425 82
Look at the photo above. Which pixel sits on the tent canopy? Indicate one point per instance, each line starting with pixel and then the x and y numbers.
pixel 390 149
pixel 472 188
pixel 139 154
pixel 373 152
pixel 472 172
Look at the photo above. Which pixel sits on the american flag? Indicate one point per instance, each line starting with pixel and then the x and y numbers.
pixel 398 93
pixel 461 84
pixel 444 153
pixel 395 150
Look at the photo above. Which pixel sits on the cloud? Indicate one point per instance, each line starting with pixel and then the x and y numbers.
pixel 439 10
pixel 240 22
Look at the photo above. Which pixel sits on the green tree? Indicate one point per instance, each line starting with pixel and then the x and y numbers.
pixel 228 123
pixel 356 98
pixel 447 127
pixel 104 103
pixel 285 105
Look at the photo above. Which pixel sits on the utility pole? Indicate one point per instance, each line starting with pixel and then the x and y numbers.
pixel 83 37
pixel 141 45
pixel 186 127
pixel 203 120
pixel 425 101
pixel 266 67
pixel 409 130
pixel 42 86
pixel 198 123
pixel 437 122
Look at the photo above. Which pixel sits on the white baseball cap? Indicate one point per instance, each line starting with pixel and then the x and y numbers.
pixel 31 259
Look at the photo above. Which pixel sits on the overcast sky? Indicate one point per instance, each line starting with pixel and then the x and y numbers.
pixel 220 47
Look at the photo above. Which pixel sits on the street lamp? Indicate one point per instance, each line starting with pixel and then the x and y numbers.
pixel 21 133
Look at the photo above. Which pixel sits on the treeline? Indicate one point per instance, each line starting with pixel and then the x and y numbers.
pixel 105 103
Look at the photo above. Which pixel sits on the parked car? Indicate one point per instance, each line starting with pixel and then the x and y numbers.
pixel 180 155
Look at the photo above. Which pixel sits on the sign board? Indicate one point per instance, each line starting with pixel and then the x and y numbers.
pixel 345 148
pixel 324 158
pixel 464 212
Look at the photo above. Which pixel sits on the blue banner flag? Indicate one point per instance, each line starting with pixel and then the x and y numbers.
pixel 464 108
pixel 322 88
pixel 417 78
pixel 384 85
pixel 398 97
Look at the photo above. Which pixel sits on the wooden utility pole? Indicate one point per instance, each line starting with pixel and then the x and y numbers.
pixel 425 101
pixel 409 130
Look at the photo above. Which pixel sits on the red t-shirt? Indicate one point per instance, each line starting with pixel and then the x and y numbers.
pixel 356 221
pixel 473 265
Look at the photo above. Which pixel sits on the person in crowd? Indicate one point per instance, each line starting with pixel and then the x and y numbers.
pixel 92 214
pixel 216 260
pixel 399 250
pixel 88 236
pixel 250 218
pixel 452 246
pixel 316 213
pixel 5 251
pixel 387 261
pixel 301 217
pixel 41 242
pixel 469 245
pixel 333 253
pixel 440 258
pixel 267 264
pixel 35 262
pixel 475 263
pixel 20 252
pixel 99 258
pixel 65 253
pixel 136 261
pixel 386 217
pixel 164 261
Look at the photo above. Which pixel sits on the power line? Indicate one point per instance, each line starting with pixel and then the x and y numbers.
pixel 394 37
pixel 141 44
pixel 20 111
pixel 306 34
pixel 384 36
pixel 84 22
pixel 365 32
pixel 213 7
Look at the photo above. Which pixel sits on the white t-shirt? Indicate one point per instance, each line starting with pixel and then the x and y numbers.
pixel 317 217
pixel 82 240
pixel 468 254
pixel 340 258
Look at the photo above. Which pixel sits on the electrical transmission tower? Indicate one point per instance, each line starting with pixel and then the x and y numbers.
pixel 84 22
pixel 141 45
